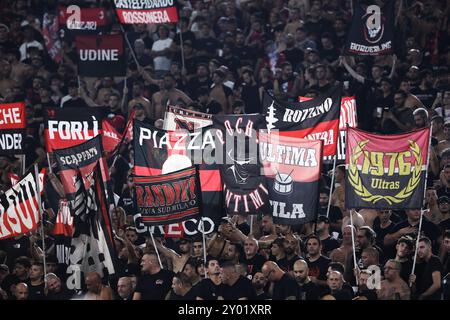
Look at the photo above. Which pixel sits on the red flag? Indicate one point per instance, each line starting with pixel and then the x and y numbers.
pixel 110 138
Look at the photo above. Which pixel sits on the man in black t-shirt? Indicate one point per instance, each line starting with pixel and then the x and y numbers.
pixel 36 285
pixel 211 288
pixel 428 273
pixel 207 104
pixel 252 258
pixel 259 283
pixel 285 287
pixel 335 281
pixel 155 282
pixel 235 286
pixel 307 290
pixel 323 231
pixel 181 288
pixel 317 263
pixel 410 227
pixel 404 248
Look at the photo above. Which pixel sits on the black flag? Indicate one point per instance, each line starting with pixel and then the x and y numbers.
pixel 372 30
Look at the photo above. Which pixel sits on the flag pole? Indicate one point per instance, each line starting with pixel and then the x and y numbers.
pixel 423 203
pixel 251 224
pixel 156 249
pixel 22 158
pixel 204 245
pixel 353 244
pixel 181 47
pixel 49 163
pixel 41 213
pixel 332 185
pixel 129 45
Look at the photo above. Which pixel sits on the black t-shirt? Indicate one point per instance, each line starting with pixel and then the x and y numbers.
pixel 36 292
pixel 369 294
pixel 319 268
pixel 15 248
pixel 241 289
pixel 403 115
pixel 254 264
pixel 309 291
pixel 406 269
pixel 263 296
pixel 155 286
pixel 208 290
pixel 424 278
pixel 329 244
pixel 444 225
pixel 282 263
pixel 335 213
pixel 75 103
pixel 428 228
pixel 190 295
pixel 389 252
pixel 209 44
pixel 213 107
pixel 64 294
pixel 291 262
pixel 286 287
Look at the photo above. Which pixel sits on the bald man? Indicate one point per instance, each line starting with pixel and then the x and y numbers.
pixel 307 290
pixel 21 291
pixel 95 289
pixel 155 282
pixel 284 285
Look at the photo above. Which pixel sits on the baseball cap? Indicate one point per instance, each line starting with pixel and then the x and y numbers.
pixel 443 199
pixel 323 219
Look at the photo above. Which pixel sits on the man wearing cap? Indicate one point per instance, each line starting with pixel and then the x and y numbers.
pixel 329 243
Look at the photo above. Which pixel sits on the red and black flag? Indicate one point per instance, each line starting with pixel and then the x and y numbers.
pixel 50 33
pixel 82 174
pixel 67 127
pixel 372 30
pixel 347 118
pixel 316 119
pixel 244 186
pixel 292 168
pixel 110 138
pixel 19 211
pixel 63 232
pixel 74 20
pixel 147 12
pixel 386 171
pixel 158 151
pixel 100 55
pixel 167 198
pixel 12 128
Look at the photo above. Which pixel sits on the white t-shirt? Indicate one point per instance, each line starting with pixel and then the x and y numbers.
pixel 162 62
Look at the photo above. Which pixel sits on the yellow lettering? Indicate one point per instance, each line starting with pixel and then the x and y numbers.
pixel 393 156
pixel 404 168
pixel 376 158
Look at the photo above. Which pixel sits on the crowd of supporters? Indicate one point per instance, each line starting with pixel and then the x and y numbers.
pixel 231 52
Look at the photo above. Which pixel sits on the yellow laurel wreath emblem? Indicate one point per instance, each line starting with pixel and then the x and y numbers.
pixel 355 179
